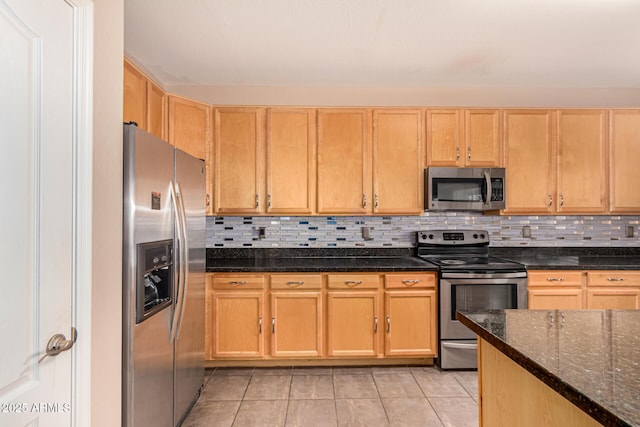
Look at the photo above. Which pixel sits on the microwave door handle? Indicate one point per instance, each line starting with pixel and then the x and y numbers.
pixel 488 194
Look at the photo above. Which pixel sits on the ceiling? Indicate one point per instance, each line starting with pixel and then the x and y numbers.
pixel 500 44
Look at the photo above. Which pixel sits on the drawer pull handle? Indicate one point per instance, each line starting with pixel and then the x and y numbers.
pixel 353 282
pixel 273 325
pixel 411 282
pixel 238 282
pixel 615 279
pixel 388 324
pixel 375 325
pixel 295 283
pixel 260 324
pixel 555 279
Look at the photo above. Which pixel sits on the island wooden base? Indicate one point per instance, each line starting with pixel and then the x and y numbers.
pixel 511 396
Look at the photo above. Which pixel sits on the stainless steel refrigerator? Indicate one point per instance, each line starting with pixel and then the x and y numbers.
pixel 163 280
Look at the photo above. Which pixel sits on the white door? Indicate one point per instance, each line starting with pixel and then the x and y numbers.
pixel 39 137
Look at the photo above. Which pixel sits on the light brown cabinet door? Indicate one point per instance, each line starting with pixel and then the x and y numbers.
pixel 156 110
pixel 624 158
pixel 409 324
pixel 556 289
pixel 559 298
pixel 483 138
pixel 444 140
pixel 189 126
pixel 353 323
pixel 530 158
pixel 614 298
pixel 296 324
pixel 239 160
pixel 344 161
pixel 459 138
pixel 291 161
pixel 135 96
pixel 237 324
pixel 582 165
pixel 397 162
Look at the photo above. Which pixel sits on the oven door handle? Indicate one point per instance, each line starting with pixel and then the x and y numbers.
pixel 486 276
pixel 460 346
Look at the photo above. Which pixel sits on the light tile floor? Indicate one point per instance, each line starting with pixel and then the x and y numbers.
pixel 338 396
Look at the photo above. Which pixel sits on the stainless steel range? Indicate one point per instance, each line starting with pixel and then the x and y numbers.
pixel 470 279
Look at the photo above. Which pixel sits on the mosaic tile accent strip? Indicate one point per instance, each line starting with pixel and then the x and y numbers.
pixel 400 231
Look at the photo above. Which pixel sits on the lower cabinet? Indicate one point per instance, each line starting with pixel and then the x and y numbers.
pixel 613 290
pixel 593 289
pixel 353 323
pixel 296 315
pixel 410 305
pixel 321 316
pixel 234 316
pixel 556 290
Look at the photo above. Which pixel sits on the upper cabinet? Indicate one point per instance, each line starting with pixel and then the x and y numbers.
pixel 189 126
pixel 530 160
pixel 464 138
pixel 291 161
pixel 582 161
pixel 397 162
pixel 624 160
pixel 238 166
pixel 135 96
pixel 344 161
pixel 144 101
pixel 555 161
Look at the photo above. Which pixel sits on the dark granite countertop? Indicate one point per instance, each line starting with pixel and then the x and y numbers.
pixel 572 258
pixel 315 260
pixel 403 259
pixel 590 357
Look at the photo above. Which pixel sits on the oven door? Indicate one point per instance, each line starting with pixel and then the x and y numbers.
pixel 473 291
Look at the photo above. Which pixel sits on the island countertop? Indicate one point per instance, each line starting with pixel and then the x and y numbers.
pixel 590 357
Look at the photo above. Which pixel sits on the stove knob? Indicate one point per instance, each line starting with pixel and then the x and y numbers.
pixel 482 235
pixel 431 236
pixel 475 236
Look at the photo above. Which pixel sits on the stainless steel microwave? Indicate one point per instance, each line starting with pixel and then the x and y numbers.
pixel 465 189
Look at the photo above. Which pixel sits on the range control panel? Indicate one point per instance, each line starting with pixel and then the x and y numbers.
pixel 453 237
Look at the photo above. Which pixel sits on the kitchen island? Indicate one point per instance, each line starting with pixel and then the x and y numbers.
pixel 557 367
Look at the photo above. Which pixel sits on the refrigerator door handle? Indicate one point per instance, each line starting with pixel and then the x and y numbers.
pixel 184 260
pixel 178 261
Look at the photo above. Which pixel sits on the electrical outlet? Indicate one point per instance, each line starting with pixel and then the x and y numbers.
pixel 629 232
pixel 526 232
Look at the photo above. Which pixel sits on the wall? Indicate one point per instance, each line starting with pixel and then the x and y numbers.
pixel 106 282
pixel 511 97
pixel 324 232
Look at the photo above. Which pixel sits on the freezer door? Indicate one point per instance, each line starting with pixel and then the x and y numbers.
pixel 147 355
pixel 189 344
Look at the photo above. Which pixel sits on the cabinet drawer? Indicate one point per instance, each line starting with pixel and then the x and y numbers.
pixel 409 280
pixel 613 278
pixel 351 281
pixel 238 281
pixel 555 278
pixel 296 281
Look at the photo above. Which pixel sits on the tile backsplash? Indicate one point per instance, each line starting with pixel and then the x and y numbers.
pixel 400 231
